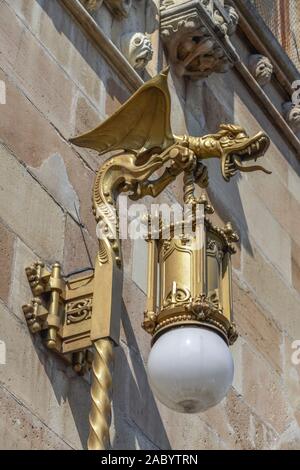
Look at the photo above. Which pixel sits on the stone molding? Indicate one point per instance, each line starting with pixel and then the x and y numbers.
pixel 196 35
pixel 133 81
pixel 106 48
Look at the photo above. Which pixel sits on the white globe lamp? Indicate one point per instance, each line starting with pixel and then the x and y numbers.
pixel 190 369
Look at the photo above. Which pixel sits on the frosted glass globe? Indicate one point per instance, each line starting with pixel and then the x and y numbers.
pixel 190 369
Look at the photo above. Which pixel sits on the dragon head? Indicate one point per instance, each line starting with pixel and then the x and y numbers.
pixel 236 148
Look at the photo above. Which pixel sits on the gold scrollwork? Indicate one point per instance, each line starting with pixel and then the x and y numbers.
pixel 79 310
pixel 180 295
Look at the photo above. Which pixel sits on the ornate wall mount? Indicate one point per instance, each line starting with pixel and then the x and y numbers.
pixel 197 36
pixel 137 48
pixel 291 113
pixel 119 8
pixel 261 68
pixel 61 311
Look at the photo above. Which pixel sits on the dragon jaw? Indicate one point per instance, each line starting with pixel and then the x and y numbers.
pixel 249 148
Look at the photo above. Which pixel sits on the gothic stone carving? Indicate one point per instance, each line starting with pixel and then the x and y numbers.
pixel 119 8
pixel 291 114
pixel 92 5
pixel 196 34
pixel 261 68
pixel 137 48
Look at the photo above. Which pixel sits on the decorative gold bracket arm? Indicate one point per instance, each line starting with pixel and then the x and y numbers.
pixel 75 323
pixel 61 311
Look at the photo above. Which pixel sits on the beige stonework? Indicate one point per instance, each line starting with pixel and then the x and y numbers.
pixel 7 241
pixel 60 398
pixel 296 265
pixel 20 429
pixel 29 210
pixel 60 81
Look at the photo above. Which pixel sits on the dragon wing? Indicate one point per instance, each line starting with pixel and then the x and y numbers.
pixel 140 124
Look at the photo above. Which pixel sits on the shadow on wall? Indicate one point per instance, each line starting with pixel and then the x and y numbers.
pixel 136 418
pixel 68 388
pixel 146 22
pixel 137 421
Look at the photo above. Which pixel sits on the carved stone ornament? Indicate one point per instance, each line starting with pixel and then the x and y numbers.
pixel 119 8
pixel 137 48
pixel 92 5
pixel 261 68
pixel 291 114
pixel 196 34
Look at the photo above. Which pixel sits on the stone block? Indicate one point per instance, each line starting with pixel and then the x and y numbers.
pixel 294 184
pixel 248 430
pixel 53 175
pixel 132 333
pixel 133 398
pixel 75 255
pixel 190 432
pixel 32 126
pixel 263 391
pixel 7 242
pixel 59 168
pixel 21 429
pixel 20 292
pixel 272 293
pixel 125 435
pixel 296 265
pixel 265 230
pixel 234 421
pixel 277 200
pixel 43 383
pixel 257 327
pixel 116 94
pixel 35 71
pixel 251 218
pixel 294 219
pixel 86 116
pixel 28 210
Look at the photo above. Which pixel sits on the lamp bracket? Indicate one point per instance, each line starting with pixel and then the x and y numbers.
pixel 61 311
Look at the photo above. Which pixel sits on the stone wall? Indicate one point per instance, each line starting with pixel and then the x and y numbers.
pixel 58 84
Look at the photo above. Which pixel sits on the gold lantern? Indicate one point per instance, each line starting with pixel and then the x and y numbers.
pixel 192 268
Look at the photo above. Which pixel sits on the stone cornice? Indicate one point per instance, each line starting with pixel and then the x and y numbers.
pixel 259 35
pixel 106 47
pixel 265 44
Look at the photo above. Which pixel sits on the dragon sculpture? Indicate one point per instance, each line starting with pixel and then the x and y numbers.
pixel 140 136
pixel 141 131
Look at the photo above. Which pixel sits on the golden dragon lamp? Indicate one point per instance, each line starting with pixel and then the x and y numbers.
pixel 190 316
